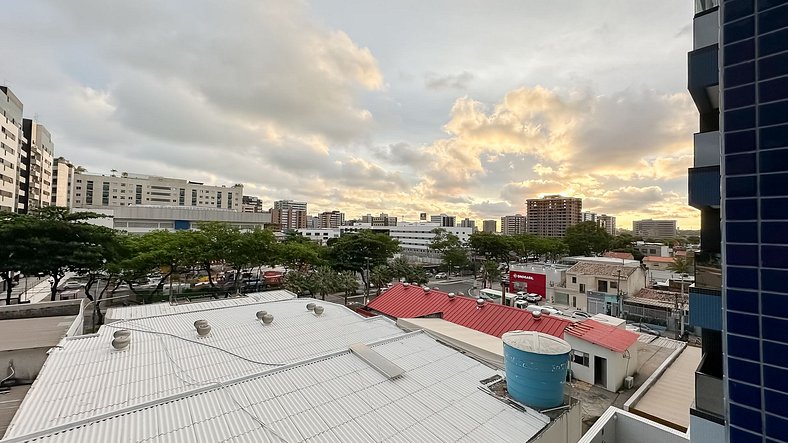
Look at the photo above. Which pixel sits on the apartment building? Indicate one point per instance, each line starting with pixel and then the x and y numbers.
pixel 331 219
pixel 290 204
pixel 12 169
pixel 490 226
pixel 102 191
pixel 513 224
pixel 468 223
pixel 251 204
pixel 604 221
pixel 658 229
pixel 40 152
pixel 551 215
pixel 62 183
pixel 379 220
pixel 443 220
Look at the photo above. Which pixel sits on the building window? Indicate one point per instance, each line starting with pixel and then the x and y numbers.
pixel 194 197
pixel 218 199
pixel 574 279
pixel 89 192
pixel 613 285
pixel 182 197
pixel 582 287
pixel 580 358
pixel 601 285
pixel 138 194
pixel 229 200
pixel 105 194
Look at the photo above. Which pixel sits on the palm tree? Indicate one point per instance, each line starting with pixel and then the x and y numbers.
pixel 348 283
pixel 680 265
pixel 326 281
pixel 380 276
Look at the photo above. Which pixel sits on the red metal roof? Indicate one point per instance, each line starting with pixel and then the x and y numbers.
pixel 494 319
pixel 607 336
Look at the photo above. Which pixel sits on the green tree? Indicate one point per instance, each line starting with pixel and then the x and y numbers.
pixel 299 255
pixel 298 282
pixel 59 241
pixel 680 265
pixel 490 273
pixel 326 281
pixel 587 238
pixel 216 243
pixel 249 249
pixel 363 250
pixel 380 276
pixel 400 268
pixel 453 253
pixel 348 283
pixel 14 234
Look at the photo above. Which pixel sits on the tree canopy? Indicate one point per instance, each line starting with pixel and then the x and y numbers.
pixel 587 238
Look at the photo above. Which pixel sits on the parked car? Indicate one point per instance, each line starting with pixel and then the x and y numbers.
pixel 642 327
pixel 71 285
pixel 440 275
pixel 533 298
pixel 543 309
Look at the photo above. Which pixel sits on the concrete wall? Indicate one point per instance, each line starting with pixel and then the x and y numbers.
pixel 617 426
pixel 705 431
pixel 566 428
pixel 618 367
pixel 45 309
pixel 27 363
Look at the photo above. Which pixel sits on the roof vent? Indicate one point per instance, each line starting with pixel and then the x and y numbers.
pixel 451 295
pixel 480 302
pixel 318 310
pixel 267 318
pixel 427 289
pixel 121 343
pixel 203 328
pixel 121 333
pixel 537 315
pixel 261 314
pixel 310 306
pixel 406 284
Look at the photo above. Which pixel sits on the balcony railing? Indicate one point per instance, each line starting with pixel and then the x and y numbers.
pixel 708 390
pixel 705 5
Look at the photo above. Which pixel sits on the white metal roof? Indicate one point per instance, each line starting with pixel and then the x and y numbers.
pixel 336 398
pixel 155 309
pixel 85 377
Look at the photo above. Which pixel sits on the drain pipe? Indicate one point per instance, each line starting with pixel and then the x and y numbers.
pixel 11 370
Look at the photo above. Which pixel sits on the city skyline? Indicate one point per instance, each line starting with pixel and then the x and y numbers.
pixel 391 125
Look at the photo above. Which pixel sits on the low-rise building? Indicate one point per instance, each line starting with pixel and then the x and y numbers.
pixel 538 278
pixel 600 287
pixel 659 229
pixel 252 204
pixel 658 263
pixel 602 354
pixel 139 219
pixel 652 249
pixel 321 236
pixel 96 191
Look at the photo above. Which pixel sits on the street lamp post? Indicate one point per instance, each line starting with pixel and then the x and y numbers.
pixel 366 282
pixel 504 287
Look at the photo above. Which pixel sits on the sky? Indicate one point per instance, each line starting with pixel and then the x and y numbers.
pixel 465 107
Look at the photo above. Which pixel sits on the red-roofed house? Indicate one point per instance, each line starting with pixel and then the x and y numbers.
pixel 621 255
pixel 602 354
pixel 412 301
pixel 654 262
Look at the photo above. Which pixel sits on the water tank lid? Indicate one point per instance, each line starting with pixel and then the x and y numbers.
pixel 536 342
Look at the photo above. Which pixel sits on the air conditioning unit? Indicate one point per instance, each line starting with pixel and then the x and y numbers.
pixel 629 382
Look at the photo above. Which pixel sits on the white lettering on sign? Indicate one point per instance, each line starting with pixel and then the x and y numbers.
pixel 527 277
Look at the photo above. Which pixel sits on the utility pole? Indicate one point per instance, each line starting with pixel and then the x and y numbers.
pixel 366 282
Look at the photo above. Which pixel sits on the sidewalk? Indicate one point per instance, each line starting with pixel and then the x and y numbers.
pixel 42 292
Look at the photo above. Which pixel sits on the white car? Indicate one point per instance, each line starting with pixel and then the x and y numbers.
pixel 440 275
pixel 71 284
pixel 543 309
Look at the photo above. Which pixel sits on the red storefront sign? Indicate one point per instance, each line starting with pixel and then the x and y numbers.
pixel 528 282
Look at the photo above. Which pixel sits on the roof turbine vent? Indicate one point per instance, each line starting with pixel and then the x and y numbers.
pixel 451 295
pixel 319 310
pixel 261 314
pixel 121 333
pixel 406 284
pixel 479 302
pixel 121 340
pixel 537 315
pixel 427 289
pixel 203 328
pixel 267 318
pixel 310 306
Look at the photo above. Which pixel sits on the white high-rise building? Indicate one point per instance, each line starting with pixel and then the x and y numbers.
pixel 11 137
pixel 102 191
pixel 62 183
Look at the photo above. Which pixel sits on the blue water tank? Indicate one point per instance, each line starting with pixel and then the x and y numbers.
pixel 536 366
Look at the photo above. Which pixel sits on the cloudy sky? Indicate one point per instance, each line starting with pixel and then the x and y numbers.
pixel 467 107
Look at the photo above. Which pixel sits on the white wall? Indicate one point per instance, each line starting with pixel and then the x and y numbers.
pixel 27 362
pixel 618 367
pixel 617 426
pixel 705 431
pixel 567 428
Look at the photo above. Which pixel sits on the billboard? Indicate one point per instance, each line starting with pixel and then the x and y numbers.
pixel 530 282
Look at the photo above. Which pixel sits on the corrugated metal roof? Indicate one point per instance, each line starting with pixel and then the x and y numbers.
pixel 155 309
pixel 86 376
pixel 412 301
pixel 436 399
pixel 607 336
pixel 594 268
